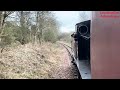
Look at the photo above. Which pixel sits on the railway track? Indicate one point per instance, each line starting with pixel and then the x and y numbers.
pixel 72 58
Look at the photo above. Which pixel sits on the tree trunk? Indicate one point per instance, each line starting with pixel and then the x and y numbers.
pixel 2 21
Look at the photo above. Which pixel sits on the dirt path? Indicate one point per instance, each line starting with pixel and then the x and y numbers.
pixel 65 70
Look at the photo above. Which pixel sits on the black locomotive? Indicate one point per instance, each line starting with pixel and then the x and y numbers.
pixel 82 39
pixel 81 45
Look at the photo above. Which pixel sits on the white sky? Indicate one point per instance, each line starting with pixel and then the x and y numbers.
pixel 68 19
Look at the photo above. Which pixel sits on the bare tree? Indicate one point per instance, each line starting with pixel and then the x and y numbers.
pixel 25 23
pixel 41 17
pixel 3 16
pixel 36 24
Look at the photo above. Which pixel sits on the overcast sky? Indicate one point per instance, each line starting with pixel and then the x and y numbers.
pixel 68 19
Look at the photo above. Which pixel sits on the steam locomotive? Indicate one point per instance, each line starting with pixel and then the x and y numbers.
pixel 96 46
pixel 81 46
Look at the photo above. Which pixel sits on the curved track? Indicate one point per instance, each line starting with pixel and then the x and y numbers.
pixel 72 58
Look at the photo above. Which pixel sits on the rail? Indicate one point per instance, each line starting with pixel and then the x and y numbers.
pixel 69 50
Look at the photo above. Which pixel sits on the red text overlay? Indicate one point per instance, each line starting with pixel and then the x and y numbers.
pixel 109 14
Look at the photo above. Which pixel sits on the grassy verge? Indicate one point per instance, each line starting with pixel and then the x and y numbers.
pixel 30 61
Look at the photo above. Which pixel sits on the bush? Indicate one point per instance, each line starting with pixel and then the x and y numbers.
pixel 8 37
pixel 49 36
